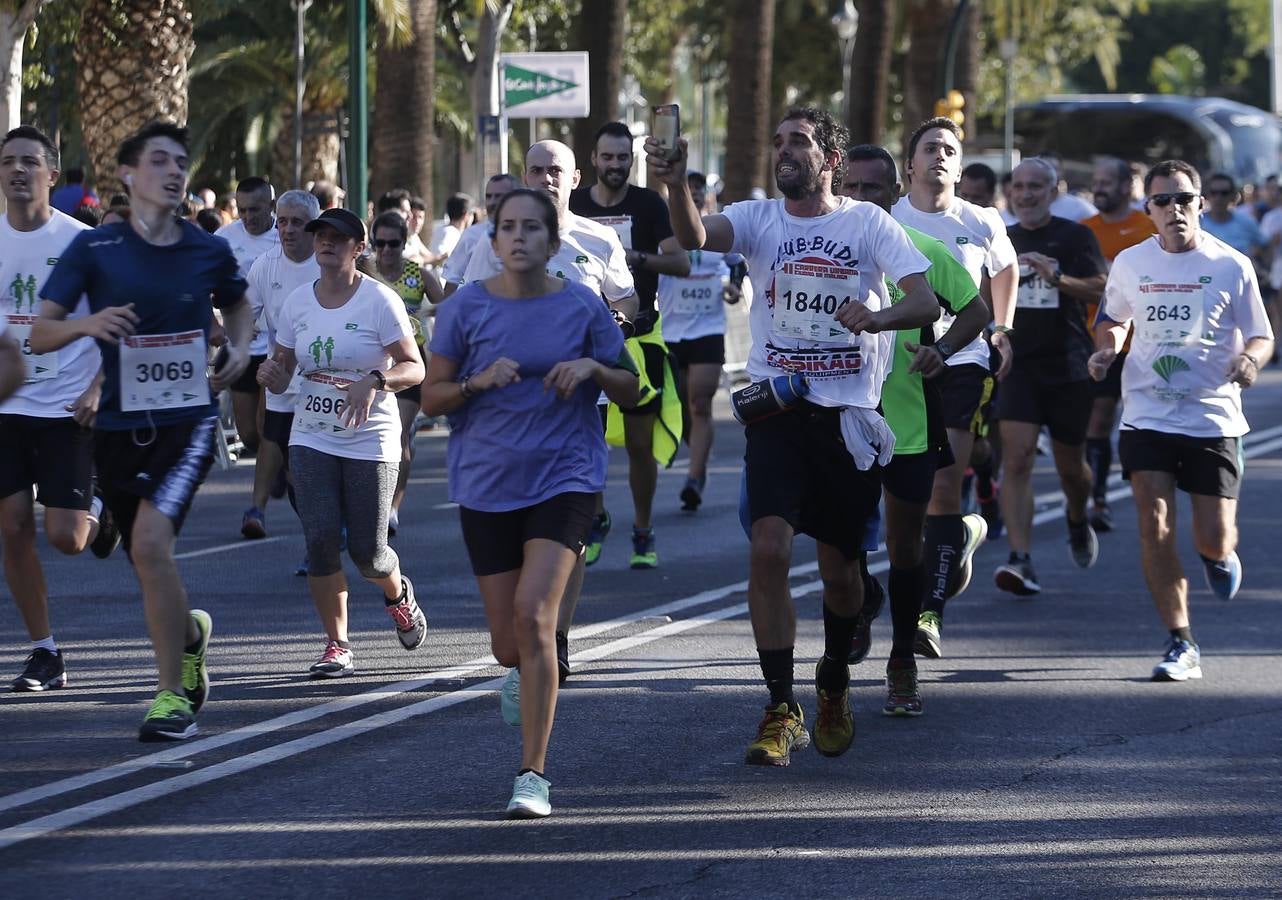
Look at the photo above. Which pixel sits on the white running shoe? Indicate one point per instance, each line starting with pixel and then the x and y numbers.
pixel 529 797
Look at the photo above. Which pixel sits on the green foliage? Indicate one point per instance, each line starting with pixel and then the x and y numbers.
pixel 1179 70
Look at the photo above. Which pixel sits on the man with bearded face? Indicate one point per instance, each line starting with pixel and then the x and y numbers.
pixel 640 219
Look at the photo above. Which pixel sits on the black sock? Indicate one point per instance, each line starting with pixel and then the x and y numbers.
pixel 1099 456
pixel 1019 557
pixel 388 601
pixel 535 771
pixel 984 480
pixel 776 666
pixel 1184 634
pixel 346 645
pixel 906 589
pixel 839 631
pixel 945 537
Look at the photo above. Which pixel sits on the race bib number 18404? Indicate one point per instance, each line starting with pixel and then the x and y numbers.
pixel 807 297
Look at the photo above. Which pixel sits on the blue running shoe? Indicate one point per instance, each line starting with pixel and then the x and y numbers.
pixel 1223 577
pixel 1181 662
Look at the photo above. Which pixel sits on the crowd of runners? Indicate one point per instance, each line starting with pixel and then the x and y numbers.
pixel 914 349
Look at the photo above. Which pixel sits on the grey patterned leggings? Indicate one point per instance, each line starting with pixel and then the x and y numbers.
pixel 332 492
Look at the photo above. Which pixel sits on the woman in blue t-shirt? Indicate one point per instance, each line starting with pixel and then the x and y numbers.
pixel 517 363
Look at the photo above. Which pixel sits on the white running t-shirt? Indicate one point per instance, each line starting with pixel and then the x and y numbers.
pixel 803 270
pixel 692 307
pixel 976 237
pixel 54 380
pixel 456 263
pixel 590 255
pixel 272 278
pixel 246 248
pixel 1193 313
pixel 335 347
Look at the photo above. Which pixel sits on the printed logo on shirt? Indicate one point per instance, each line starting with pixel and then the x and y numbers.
pixel 581 260
pixel 962 239
pixel 837 252
pixel 319 346
pixel 23 288
pixel 1205 279
pixel 1167 366
pixel 817 363
pixel 51 261
pixel 351 326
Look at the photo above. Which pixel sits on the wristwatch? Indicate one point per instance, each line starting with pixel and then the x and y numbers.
pixel 1056 277
pixel 944 349
pixel 380 378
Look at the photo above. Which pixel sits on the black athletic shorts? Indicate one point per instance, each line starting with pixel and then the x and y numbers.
pixel 277 427
pixel 1209 466
pixel 413 393
pixel 653 356
pixel 799 470
pixel 496 540
pixel 163 464
pixel 911 477
pixel 966 391
pixel 1111 386
pixel 247 383
pixel 709 349
pixel 1064 408
pixel 55 455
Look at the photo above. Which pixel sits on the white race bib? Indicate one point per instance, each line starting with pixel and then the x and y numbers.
pixel 1035 292
pixel 622 226
pixel 698 295
pixel 320 403
pixel 163 371
pixel 807 297
pixel 40 366
pixel 1170 313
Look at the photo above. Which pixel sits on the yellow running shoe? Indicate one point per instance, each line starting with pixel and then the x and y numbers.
pixel 779 733
pixel 834 725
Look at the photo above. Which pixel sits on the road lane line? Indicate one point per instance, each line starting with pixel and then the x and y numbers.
pixel 239 545
pixel 56 821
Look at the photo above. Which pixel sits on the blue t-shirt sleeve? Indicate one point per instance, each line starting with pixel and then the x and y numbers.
pixel 448 333
pixel 70 278
pixel 231 285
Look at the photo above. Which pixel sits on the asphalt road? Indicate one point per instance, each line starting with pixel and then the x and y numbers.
pixel 1046 763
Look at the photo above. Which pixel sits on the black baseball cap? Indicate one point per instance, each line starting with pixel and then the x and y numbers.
pixel 341 220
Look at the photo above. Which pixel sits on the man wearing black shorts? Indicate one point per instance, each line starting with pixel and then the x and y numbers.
pixel 150 282
pixel 1201 335
pixel 1061 269
pixel 819 263
pixel 46 450
pixel 640 219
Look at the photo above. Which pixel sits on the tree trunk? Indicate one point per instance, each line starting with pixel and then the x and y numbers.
pixel 870 72
pixel 13 32
pixel 601 34
pixel 928 22
pixel 132 57
pixel 967 71
pixel 485 87
pixel 320 148
pixel 403 110
pixel 748 123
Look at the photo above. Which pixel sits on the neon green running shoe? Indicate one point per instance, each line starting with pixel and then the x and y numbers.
pixel 169 719
pixel 195 673
pixel 596 537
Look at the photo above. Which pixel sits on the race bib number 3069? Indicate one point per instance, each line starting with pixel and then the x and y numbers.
pixel 163 371
pixel 807 297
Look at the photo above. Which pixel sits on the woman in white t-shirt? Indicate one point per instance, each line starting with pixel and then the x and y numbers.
pixel 351 340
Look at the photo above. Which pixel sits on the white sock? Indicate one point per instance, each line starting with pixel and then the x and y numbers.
pixel 95 510
pixel 45 644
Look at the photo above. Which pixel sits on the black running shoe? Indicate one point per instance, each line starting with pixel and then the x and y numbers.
pixel 45 671
pixel 108 537
pixel 691 495
pixel 562 657
pixel 874 600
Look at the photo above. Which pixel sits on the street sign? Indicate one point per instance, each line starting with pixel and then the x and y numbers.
pixel 544 85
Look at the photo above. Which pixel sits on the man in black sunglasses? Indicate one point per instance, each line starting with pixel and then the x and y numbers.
pixel 1201 335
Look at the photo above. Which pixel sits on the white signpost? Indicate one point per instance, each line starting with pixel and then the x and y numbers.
pixel 541 86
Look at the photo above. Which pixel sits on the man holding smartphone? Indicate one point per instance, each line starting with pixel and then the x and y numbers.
pixel 640 218
pixel 152 283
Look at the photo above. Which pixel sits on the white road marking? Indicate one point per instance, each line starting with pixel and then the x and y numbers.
pixel 222 548
pixel 1259 444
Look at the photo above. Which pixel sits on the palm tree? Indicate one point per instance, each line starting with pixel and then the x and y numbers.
pixel 870 71
pixel 132 67
pixel 402 135
pixel 748 95
pixel 16 16
pixel 601 34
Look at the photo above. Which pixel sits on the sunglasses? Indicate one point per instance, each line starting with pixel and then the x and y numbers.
pixel 393 244
pixel 1183 198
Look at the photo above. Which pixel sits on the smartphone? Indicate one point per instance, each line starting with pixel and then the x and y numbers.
pixel 666 128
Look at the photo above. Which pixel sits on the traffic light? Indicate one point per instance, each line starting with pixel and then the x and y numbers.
pixel 952 107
